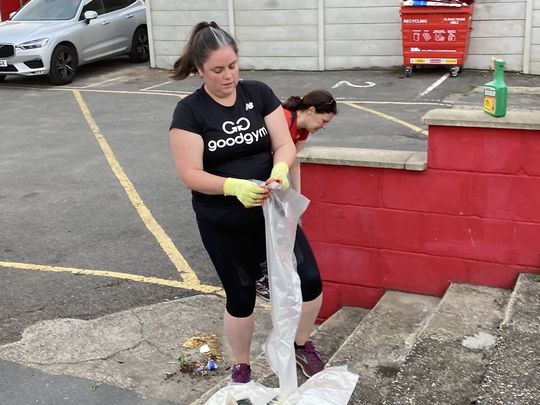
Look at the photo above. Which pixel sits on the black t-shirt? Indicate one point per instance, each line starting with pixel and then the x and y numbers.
pixel 236 140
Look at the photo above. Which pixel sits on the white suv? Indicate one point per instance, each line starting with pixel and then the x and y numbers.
pixel 55 37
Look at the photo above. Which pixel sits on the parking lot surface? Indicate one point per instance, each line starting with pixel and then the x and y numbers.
pixel 94 218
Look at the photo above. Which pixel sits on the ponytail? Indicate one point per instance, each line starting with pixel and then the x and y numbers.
pixel 203 40
pixel 293 103
pixel 321 100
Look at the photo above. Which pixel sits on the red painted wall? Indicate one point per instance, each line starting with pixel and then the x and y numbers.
pixel 473 216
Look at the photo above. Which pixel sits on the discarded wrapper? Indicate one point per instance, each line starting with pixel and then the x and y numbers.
pixel 204 349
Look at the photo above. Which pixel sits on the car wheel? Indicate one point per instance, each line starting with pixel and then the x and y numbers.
pixel 2 77
pixel 139 46
pixel 63 65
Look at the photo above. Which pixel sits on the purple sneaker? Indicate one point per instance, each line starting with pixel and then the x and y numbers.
pixel 241 373
pixel 308 359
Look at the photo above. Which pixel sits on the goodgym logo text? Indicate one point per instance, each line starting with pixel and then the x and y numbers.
pixel 240 127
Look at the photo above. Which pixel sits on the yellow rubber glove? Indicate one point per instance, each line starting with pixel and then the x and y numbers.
pixel 247 192
pixel 280 173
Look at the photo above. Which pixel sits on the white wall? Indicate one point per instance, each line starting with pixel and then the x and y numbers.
pixel 339 34
pixel 362 34
pixel 277 34
pixel 171 21
pixel 534 61
pixel 498 30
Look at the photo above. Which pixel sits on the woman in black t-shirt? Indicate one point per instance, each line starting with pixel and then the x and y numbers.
pixel 223 135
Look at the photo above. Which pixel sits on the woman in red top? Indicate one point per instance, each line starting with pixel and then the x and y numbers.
pixel 306 115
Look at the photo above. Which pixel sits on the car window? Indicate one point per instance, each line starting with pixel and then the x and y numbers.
pixel 93 5
pixel 43 10
pixel 113 5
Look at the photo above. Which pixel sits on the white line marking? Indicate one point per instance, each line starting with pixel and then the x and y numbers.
pixel 167 91
pixel 181 94
pixel 157 85
pixel 442 79
pixel 368 84
pixel 105 81
pixel 70 88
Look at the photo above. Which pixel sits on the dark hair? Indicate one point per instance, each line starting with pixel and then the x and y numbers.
pixel 204 39
pixel 322 100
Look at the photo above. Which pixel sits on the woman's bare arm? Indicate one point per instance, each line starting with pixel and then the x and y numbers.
pixel 187 149
pixel 296 183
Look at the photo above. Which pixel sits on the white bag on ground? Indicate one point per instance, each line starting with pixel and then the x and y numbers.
pixel 332 386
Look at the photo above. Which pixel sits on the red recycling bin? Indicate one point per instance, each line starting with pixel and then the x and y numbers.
pixel 435 36
pixel 9 6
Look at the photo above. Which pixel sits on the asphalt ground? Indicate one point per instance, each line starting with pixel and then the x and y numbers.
pixel 24 385
pixel 93 217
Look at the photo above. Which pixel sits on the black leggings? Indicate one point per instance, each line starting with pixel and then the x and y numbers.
pixel 234 238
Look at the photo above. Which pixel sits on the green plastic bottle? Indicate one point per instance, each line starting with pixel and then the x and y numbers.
pixel 496 92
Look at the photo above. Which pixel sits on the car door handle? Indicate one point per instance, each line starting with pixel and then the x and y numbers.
pixel 105 22
pixel 129 16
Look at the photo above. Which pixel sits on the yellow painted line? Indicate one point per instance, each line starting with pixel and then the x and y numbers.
pixel 187 273
pixel 114 274
pixel 387 117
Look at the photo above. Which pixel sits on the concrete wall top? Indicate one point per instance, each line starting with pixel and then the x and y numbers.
pixel 514 119
pixel 384 159
pixel 417 161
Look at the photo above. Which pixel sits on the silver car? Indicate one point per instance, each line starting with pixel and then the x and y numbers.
pixel 55 37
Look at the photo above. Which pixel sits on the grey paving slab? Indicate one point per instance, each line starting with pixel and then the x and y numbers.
pixel 378 346
pixel 448 360
pixel 135 350
pixel 512 375
pixel 523 311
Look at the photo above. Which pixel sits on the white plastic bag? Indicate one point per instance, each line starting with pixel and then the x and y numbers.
pixel 257 393
pixel 332 386
pixel 281 214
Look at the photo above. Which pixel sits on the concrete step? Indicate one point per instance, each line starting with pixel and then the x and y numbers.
pixel 328 337
pixel 449 358
pixel 512 376
pixel 380 343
